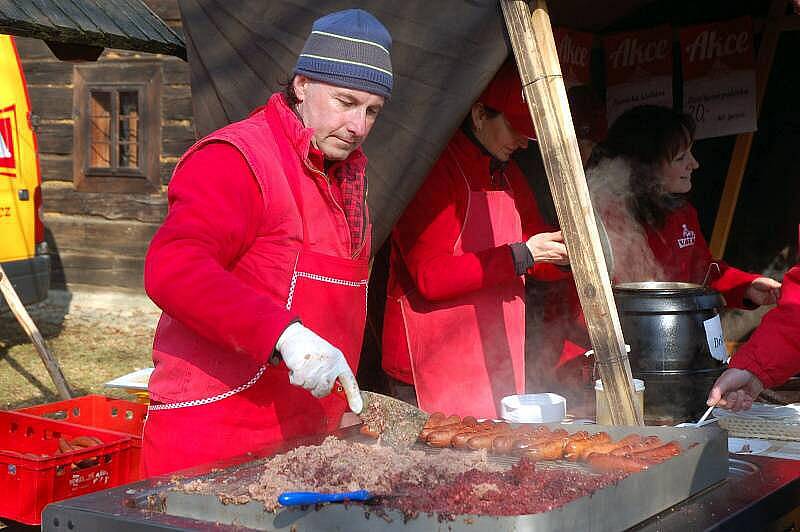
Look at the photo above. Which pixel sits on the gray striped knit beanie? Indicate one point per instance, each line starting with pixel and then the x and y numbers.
pixel 349 49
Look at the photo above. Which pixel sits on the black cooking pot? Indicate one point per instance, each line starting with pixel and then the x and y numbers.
pixel 663 323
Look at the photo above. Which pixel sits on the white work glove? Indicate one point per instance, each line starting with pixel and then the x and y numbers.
pixel 314 364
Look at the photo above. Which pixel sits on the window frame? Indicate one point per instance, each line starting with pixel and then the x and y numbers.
pixel 116 78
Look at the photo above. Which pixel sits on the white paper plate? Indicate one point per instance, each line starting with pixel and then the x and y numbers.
pixel 132 381
pixel 747 445
pixel 533 408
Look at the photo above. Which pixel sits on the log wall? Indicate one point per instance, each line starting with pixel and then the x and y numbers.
pixel 101 238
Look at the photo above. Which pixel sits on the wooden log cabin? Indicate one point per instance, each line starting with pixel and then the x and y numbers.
pixel 109 133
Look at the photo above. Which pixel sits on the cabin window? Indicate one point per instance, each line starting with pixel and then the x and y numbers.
pixel 117 128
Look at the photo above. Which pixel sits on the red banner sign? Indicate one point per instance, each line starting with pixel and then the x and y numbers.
pixel 719 46
pixel 638 54
pixel 638 69
pixel 575 55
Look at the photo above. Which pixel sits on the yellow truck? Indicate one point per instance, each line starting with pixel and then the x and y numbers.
pixel 23 251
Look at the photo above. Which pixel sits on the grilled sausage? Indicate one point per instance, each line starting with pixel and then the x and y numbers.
pixel 522 444
pixel 443 436
pixel 448 422
pixel 659 454
pixel 64 446
pixel 460 440
pixel 608 447
pixel 609 462
pixel 470 421
pixel 649 442
pixel 552 449
pixel 85 441
pixel 483 440
pixel 504 443
pixel 579 449
pixel 434 420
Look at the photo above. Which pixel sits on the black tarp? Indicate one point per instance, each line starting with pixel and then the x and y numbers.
pixel 444 53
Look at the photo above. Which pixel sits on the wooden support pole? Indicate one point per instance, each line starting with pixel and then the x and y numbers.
pixel 24 319
pixel 543 86
pixel 744 141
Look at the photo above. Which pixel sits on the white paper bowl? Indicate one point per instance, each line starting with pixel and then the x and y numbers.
pixel 533 408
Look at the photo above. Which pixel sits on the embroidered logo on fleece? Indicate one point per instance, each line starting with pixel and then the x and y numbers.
pixel 687 239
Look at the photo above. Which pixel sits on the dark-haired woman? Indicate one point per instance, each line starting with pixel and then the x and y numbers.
pixel 454 326
pixel 638 178
pixel 647 161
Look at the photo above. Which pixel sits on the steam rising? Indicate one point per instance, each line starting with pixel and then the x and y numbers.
pixel 609 187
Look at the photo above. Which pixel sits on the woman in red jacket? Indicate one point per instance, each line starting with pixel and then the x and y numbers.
pixel 454 322
pixel 638 178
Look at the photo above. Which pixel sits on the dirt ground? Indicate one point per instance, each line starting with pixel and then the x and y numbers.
pixel 95 335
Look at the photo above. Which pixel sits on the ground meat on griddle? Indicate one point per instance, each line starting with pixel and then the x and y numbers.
pixel 523 490
pixel 337 466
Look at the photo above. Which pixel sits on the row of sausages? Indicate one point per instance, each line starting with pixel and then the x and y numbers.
pixel 537 442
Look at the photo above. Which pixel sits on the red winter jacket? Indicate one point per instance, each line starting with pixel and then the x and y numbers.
pixel 679 247
pixel 682 252
pixel 773 351
pixel 422 242
pixel 221 263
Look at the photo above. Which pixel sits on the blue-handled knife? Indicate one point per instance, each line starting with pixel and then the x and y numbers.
pixel 296 498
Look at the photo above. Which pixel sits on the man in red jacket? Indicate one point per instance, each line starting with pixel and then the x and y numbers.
pixel 771 355
pixel 263 257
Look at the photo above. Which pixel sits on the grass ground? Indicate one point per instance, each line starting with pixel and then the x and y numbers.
pixel 89 354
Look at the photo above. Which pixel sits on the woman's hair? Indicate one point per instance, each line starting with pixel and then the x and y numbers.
pixel 647 136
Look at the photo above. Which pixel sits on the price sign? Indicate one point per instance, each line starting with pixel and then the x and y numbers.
pixel 719 88
pixel 638 69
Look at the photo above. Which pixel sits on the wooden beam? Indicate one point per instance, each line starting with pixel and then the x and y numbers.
pixel 24 319
pixel 537 60
pixel 744 141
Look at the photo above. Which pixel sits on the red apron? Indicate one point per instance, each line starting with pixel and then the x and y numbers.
pixel 467 353
pixel 329 293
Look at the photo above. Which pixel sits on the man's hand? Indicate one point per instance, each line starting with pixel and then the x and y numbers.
pixel 314 364
pixel 548 247
pixel 763 291
pixel 735 389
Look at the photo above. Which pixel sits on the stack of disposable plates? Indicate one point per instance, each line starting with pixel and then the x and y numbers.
pixel 534 408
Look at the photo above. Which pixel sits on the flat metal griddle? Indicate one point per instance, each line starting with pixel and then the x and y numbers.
pixel 703 463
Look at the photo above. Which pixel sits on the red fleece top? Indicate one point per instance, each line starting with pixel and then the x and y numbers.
pixel 423 239
pixel 679 247
pixel 211 222
pixel 422 255
pixel 773 352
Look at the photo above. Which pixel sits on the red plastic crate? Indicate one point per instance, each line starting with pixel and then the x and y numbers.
pixel 32 475
pixel 104 413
